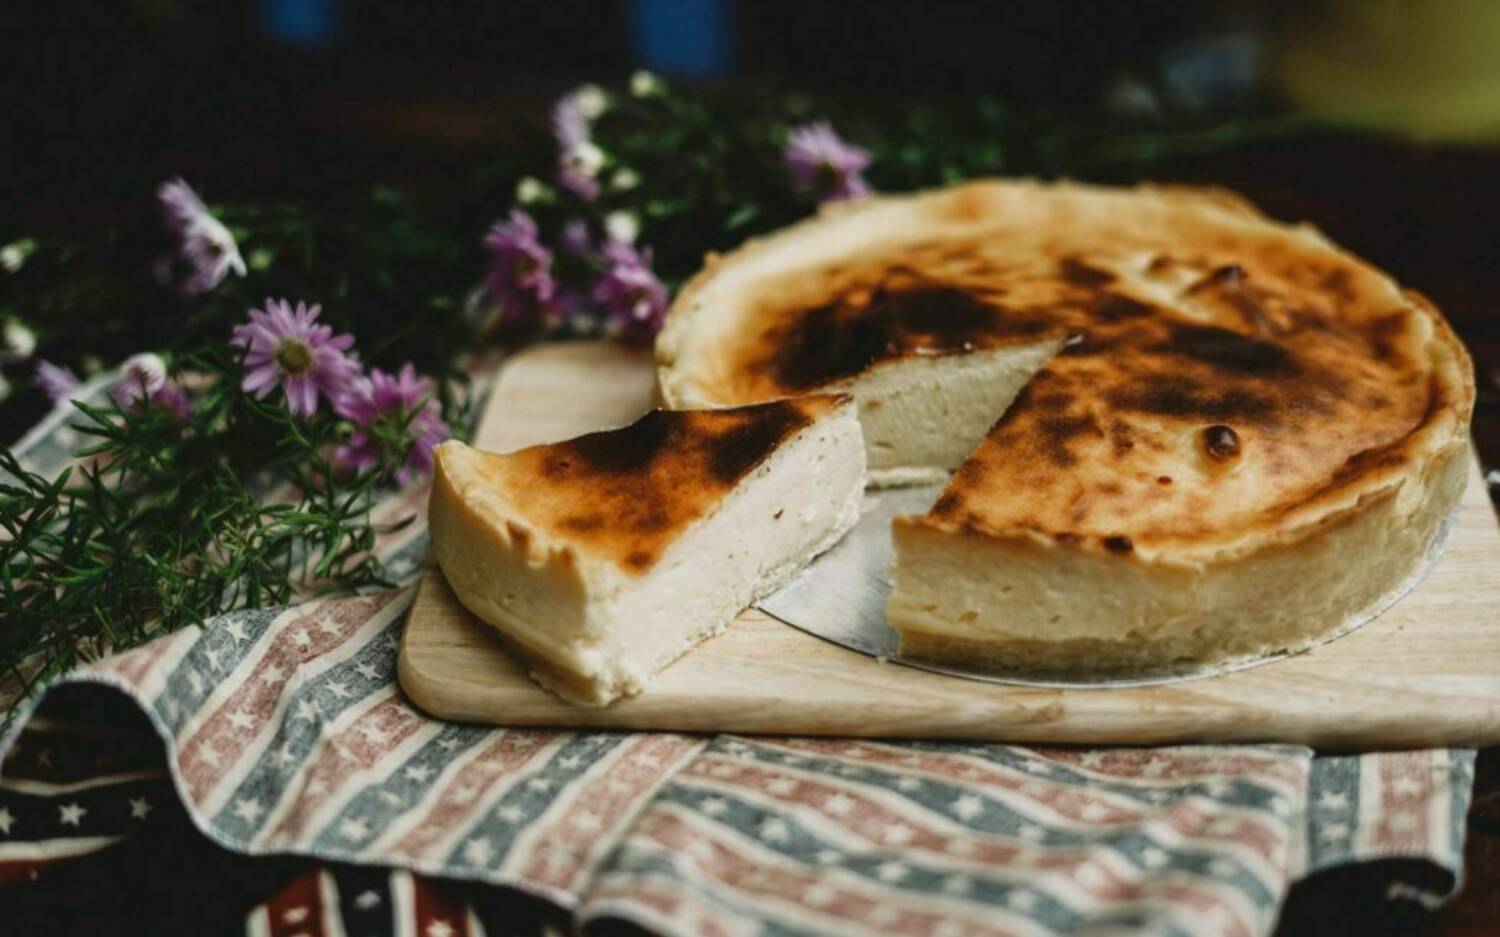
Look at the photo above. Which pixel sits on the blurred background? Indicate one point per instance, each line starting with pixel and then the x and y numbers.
pixel 1378 119
pixel 289 96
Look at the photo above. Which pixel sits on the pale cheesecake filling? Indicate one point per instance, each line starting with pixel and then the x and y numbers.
pixel 922 416
pixel 607 638
pixel 794 506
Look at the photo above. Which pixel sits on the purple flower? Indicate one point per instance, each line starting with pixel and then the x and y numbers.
pixel 288 347
pixel 580 160
pixel 204 242
pixel 521 273
pixel 577 313
pixel 632 297
pixel 58 382
pixel 819 159
pixel 391 413
pixel 143 379
pixel 578 169
pixel 574 113
pixel 173 400
pixel 141 376
pixel 568 123
pixel 576 238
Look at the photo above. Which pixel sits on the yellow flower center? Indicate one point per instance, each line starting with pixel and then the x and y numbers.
pixel 294 357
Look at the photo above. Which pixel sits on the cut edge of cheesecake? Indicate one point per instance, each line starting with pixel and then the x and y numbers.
pixel 922 416
pixel 594 626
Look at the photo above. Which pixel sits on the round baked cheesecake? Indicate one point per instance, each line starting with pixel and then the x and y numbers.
pixel 1174 432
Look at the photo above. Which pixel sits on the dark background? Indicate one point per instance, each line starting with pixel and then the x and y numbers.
pixel 308 99
pixel 312 99
pixel 290 97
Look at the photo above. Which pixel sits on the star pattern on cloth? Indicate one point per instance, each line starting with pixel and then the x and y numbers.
pixel 478 851
pixel 354 828
pixel 968 806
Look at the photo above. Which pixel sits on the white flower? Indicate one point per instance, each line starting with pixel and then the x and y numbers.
pixel 530 190
pixel 14 254
pixel 622 226
pixel 643 84
pixel 624 179
pixel 584 158
pixel 17 342
pixel 591 101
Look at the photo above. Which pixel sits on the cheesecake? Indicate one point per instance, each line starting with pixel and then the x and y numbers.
pixel 604 558
pixel 1174 432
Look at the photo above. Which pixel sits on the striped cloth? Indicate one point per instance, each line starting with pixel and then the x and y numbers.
pixel 285 732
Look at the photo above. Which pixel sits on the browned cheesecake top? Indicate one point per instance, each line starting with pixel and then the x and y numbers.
pixel 1221 373
pixel 624 495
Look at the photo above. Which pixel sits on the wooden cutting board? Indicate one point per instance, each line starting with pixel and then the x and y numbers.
pixel 1427 672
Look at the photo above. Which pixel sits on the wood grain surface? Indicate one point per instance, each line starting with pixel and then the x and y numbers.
pixel 1427 672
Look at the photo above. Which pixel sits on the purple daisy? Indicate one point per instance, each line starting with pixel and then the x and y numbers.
pixel 578 169
pixel 574 113
pixel 143 381
pixel 818 158
pixel 172 399
pixel 572 123
pixel 576 238
pixel 634 300
pixel 568 123
pixel 141 376
pixel 391 413
pixel 287 346
pixel 58 382
pixel 203 241
pixel 521 272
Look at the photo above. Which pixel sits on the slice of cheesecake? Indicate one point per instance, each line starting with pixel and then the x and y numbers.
pixel 604 558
